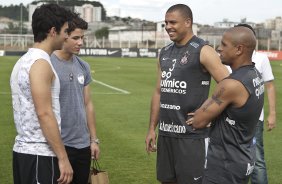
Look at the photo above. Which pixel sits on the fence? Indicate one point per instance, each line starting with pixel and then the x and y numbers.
pixel 17 42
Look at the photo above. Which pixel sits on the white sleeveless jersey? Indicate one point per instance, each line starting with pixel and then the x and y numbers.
pixel 30 139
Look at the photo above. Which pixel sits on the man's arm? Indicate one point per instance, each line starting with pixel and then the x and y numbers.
pixel 227 92
pixel 41 77
pixel 267 75
pixel 154 115
pixel 271 119
pixel 91 122
pixel 212 63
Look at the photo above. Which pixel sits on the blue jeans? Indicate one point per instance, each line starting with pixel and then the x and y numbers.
pixel 259 175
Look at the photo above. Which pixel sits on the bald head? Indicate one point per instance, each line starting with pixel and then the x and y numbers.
pixel 241 35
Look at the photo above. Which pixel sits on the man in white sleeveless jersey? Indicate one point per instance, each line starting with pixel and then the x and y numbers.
pixel 39 155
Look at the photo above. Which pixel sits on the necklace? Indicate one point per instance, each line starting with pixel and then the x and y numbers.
pixel 71 75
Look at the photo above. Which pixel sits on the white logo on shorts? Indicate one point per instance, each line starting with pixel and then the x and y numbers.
pixel 197 178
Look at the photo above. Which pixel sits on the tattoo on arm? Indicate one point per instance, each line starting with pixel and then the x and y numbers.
pixel 217 95
pixel 207 105
pixel 215 98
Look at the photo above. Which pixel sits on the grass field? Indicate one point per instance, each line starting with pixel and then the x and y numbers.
pixel 122 101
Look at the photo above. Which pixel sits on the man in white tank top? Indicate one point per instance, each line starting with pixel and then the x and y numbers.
pixel 39 155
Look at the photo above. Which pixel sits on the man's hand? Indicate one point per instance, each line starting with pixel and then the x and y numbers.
pixel 151 141
pixel 271 122
pixel 66 172
pixel 95 151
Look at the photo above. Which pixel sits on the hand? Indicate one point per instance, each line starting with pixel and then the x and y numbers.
pixel 66 172
pixel 95 150
pixel 151 141
pixel 190 118
pixel 271 122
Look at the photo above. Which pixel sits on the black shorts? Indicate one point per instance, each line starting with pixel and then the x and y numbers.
pixel 180 160
pixel 34 169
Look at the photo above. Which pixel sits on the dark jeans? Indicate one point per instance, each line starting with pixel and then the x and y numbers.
pixel 80 161
pixel 259 175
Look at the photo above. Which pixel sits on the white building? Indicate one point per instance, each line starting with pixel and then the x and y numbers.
pixel 269 24
pixel 124 33
pixel 88 12
pixel 274 24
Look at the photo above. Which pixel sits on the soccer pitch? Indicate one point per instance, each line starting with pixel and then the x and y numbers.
pixel 121 93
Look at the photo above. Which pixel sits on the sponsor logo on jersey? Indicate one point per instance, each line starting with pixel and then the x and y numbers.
pixel 172 128
pixel 80 78
pixel 205 83
pixel 169 106
pixel 185 58
pixel 173 84
pixel 194 44
pixel 169 85
pixel 230 121
pixel 259 87
pixel 165 58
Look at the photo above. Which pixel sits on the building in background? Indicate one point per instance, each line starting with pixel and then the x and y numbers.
pixel 87 11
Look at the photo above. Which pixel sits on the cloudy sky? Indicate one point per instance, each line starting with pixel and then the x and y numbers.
pixel 205 11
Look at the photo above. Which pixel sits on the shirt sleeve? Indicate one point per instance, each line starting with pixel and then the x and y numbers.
pixel 267 74
pixel 88 77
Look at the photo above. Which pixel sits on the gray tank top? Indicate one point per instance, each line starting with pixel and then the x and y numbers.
pixel 232 142
pixel 184 87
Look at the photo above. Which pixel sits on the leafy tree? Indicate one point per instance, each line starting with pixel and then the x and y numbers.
pixel 103 32
pixel 14 12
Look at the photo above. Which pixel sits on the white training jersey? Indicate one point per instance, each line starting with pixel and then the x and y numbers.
pixel 263 65
pixel 30 139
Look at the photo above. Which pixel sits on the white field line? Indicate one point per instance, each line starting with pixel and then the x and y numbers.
pixel 5 93
pixel 96 81
pixel 112 87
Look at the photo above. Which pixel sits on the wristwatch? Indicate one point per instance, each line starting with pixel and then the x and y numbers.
pixel 97 141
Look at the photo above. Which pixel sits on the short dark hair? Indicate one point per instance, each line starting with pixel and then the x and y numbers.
pixel 77 22
pixel 184 9
pixel 247 26
pixel 47 16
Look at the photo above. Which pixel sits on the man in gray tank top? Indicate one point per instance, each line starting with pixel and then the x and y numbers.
pixel 234 109
pixel 77 110
pixel 185 68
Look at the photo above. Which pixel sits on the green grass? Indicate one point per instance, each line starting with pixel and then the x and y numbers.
pixel 122 120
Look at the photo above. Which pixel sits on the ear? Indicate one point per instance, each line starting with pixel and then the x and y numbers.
pixel 188 22
pixel 240 49
pixel 53 31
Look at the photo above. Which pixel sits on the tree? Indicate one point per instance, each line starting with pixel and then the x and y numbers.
pixel 103 32
pixel 14 12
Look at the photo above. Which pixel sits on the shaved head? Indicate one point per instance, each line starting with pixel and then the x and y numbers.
pixel 241 35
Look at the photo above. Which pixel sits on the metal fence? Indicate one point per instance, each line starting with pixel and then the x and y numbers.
pixel 18 42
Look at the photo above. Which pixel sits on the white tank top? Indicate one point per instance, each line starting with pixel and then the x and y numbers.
pixel 30 139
